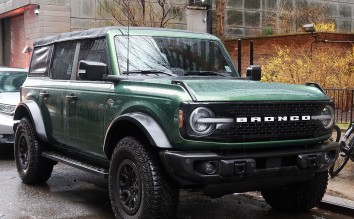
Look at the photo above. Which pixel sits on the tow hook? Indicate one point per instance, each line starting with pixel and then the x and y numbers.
pixel 309 160
pixel 239 167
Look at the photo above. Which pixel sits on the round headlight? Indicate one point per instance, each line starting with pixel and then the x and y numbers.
pixel 327 117
pixel 200 128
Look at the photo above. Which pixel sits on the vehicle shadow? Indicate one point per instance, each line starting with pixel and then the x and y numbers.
pixel 6 152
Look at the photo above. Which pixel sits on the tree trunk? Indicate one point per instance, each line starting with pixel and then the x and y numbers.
pixel 220 19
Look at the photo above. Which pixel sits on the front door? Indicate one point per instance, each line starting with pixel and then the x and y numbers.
pixel 87 102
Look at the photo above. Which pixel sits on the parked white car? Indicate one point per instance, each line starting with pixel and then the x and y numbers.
pixel 11 80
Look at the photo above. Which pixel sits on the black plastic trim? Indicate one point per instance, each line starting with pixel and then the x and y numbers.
pixel 181 165
pixel 313 84
pixel 187 88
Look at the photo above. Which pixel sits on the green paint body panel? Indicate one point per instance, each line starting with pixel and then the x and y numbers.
pixel 83 124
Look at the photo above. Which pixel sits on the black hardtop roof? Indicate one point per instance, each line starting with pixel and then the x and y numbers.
pixel 93 33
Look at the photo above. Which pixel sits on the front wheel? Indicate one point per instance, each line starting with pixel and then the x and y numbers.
pixel 138 187
pixel 298 197
pixel 31 166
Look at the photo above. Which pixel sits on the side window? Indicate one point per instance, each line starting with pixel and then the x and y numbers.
pixel 93 50
pixel 63 59
pixel 40 60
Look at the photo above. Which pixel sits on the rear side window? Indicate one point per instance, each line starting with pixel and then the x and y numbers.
pixel 63 59
pixel 40 60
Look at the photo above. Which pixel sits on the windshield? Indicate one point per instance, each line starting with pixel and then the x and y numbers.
pixel 180 56
pixel 11 81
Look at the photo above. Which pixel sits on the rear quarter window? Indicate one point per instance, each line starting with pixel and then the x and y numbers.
pixel 40 61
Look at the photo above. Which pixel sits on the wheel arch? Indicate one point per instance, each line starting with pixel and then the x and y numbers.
pixel 31 110
pixel 140 125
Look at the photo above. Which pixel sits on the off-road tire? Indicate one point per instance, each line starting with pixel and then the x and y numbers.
pixel 135 169
pixel 31 166
pixel 299 197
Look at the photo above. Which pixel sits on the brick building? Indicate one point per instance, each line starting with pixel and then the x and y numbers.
pixel 20 25
pixel 267 46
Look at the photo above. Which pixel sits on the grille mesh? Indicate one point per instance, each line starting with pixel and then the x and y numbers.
pixel 260 131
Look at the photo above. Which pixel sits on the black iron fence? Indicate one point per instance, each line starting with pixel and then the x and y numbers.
pixel 343 103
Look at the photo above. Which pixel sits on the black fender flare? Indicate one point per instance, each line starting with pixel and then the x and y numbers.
pixel 147 124
pixel 31 108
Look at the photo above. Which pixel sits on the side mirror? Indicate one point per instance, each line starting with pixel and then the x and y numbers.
pixel 91 70
pixel 254 72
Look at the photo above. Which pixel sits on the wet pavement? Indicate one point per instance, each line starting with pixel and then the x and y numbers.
pixel 72 193
pixel 343 185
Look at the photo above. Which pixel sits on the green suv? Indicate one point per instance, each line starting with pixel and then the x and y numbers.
pixel 158 110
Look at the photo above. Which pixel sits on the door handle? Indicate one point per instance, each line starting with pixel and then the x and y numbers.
pixel 43 94
pixel 71 97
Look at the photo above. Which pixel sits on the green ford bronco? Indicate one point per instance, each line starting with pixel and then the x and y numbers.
pixel 157 110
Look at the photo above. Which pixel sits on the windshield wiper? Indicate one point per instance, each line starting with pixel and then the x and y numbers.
pixel 149 72
pixel 206 73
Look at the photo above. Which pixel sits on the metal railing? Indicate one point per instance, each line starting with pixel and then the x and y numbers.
pixel 343 103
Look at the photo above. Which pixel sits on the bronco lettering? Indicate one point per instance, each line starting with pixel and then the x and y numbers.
pixel 272 119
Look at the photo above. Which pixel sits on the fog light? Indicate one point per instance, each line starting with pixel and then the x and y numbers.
pixel 210 167
pixel 327 157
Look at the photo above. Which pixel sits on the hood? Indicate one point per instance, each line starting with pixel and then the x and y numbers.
pixel 10 98
pixel 238 90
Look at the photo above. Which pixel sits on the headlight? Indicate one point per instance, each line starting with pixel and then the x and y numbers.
pixel 326 117
pixel 7 109
pixel 198 126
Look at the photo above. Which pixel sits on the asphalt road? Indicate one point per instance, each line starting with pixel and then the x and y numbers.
pixel 72 193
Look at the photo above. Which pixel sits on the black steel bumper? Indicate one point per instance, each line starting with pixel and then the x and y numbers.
pixel 245 171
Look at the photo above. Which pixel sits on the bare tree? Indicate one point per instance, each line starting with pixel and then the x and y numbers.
pixel 151 13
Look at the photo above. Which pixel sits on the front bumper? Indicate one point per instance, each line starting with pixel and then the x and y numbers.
pixel 241 171
pixel 6 129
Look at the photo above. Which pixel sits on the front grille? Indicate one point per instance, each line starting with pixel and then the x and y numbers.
pixel 270 109
pixel 270 131
pixel 265 131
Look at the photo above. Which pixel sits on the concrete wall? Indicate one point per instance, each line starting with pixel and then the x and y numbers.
pixel 196 20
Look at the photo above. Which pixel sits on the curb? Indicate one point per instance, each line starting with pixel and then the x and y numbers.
pixel 336 204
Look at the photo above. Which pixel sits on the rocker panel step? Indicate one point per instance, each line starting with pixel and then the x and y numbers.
pixel 76 163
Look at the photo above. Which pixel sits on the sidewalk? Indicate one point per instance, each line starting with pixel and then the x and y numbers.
pixel 340 189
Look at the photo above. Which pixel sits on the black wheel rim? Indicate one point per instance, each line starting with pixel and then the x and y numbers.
pixel 23 151
pixel 129 187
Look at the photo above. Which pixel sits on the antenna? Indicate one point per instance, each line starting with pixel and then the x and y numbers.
pixel 128 38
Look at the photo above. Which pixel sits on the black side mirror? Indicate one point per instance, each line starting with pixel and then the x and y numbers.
pixel 254 72
pixel 91 70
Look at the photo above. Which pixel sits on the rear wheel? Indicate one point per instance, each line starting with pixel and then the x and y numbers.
pixel 138 187
pixel 299 197
pixel 31 166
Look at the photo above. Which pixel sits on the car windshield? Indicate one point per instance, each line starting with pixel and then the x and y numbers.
pixel 11 81
pixel 173 56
